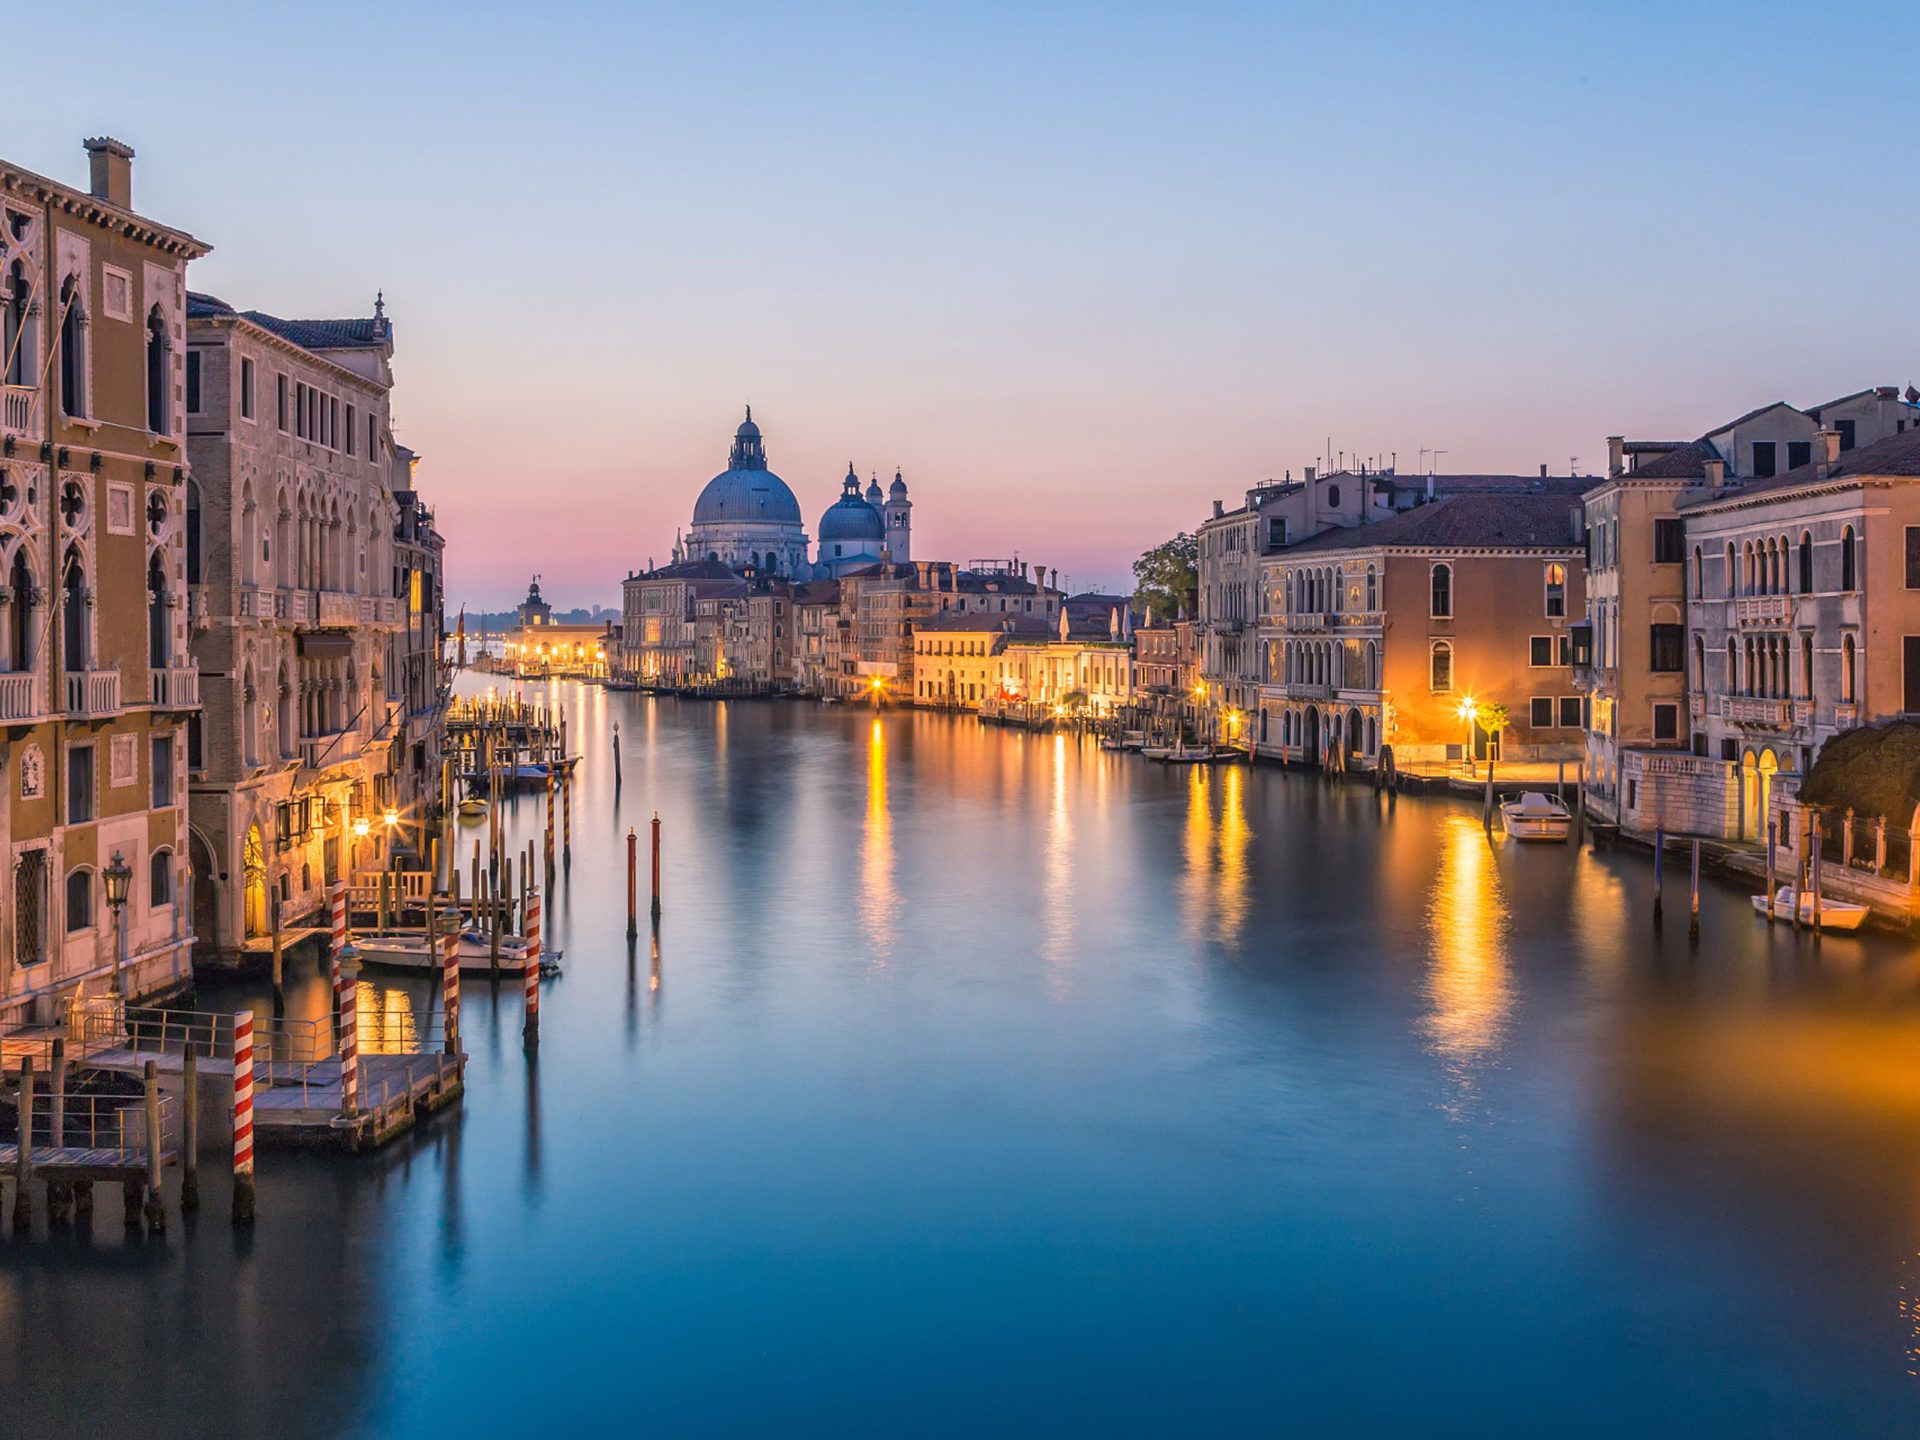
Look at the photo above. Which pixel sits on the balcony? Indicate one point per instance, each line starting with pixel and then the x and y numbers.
pixel 257 602
pixel 338 610
pixel 93 694
pixel 318 752
pixel 176 688
pixel 1752 610
pixel 1696 707
pixel 20 697
pixel 1753 710
pixel 380 610
pixel 20 411
pixel 296 606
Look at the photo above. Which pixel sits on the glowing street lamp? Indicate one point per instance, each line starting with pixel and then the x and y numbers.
pixel 118 877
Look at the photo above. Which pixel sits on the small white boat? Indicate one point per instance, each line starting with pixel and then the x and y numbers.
pixel 1834 914
pixel 472 807
pixel 1535 816
pixel 409 950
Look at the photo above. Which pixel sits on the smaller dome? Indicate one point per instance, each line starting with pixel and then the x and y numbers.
pixel 898 489
pixel 850 517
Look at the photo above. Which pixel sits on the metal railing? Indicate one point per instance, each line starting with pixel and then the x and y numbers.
pixel 93 1122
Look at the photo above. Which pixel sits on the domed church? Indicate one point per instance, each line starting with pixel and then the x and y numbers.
pixel 747 518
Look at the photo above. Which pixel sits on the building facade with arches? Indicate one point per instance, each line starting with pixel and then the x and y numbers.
pixel 315 712
pixel 1380 640
pixel 96 682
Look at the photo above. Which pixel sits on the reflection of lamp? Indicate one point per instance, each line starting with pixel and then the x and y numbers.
pixel 118 877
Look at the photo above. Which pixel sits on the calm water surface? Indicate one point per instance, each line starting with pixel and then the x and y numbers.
pixel 985 1082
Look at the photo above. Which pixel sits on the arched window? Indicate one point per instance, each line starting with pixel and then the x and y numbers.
pixel 1699 663
pixel 73 349
pixel 1849 563
pixel 16 329
pixel 1373 666
pixel 285 700
pixel 159 626
pixel 1733 667
pixel 1699 575
pixel 159 372
pixel 1731 573
pixel 21 633
pixel 75 649
pixel 1556 580
pixel 1373 590
pixel 1440 667
pixel 1333 497
pixel 160 879
pixel 1442 608
pixel 1806 666
pixel 1847 657
pixel 1806 562
pixel 79 899
pixel 1746 568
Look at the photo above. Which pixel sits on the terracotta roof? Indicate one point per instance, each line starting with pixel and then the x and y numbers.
pixel 1459 522
pixel 976 622
pixel 1689 462
pixel 1495 484
pixel 1898 456
pixel 1754 414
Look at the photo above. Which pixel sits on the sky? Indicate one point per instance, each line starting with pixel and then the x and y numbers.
pixel 1077 269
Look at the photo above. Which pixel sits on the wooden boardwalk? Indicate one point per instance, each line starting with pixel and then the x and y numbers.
pixel 74 1162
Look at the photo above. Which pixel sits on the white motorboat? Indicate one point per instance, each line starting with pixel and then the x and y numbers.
pixel 472 807
pixel 409 950
pixel 1834 914
pixel 1536 816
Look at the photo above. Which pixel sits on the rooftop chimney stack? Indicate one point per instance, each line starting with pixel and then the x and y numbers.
pixel 110 171
pixel 1543 469
pixel 1616 454
pixel 1219 509
pixel 1716 474
pixel 1826 452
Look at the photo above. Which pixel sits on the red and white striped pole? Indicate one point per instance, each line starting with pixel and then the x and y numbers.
pixel 549 818
pixel 566 818
pixel 450 978
pixel 530 1034
pixel 339 915
pixel 346 1003
pixel 243 1197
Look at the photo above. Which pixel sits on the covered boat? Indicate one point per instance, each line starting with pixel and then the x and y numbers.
pixel 1536 816
pixel 1834 914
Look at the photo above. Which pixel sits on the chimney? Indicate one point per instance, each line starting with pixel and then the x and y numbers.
pixel 1616 454
pixel 1312 472
pixel 1826 452
pixel 1543 470
pixel 1429 485
pixel 110 171
pixel 1716 474
pixel 1219 509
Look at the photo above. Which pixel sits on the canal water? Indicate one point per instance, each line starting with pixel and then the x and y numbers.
pixel 987 1083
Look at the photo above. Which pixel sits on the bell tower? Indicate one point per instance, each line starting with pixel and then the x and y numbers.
pixel 898 512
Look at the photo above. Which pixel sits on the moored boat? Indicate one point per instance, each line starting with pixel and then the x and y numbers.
pixel 472 807
pixel 1834 914
pixel 409 950
pixel 1535 816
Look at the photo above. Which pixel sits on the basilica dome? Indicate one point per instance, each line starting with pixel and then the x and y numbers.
pixel 850 517
pixel 746 492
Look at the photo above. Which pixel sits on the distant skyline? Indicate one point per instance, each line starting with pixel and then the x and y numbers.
pixel 1077 270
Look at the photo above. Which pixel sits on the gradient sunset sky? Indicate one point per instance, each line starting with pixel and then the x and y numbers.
pixel 1078 269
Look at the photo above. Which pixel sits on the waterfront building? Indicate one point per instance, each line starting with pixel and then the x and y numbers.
pixel 742 632
pixel 302 640
pixel 1083 661
pixel 1390 634
pixel 657 641
pixel 97 687
pixel 418 650
pixel 1803 613
pixel 822 639
pixel 1633 645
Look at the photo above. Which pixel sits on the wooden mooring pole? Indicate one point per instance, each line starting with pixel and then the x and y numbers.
pixel 616 755
pixel 633 883
pixel 190 1130
pixel 156 1210
pixel 1772 837
pixel 59 1192
pixel 1659 863
pixel 530 1031
pixel 273 922
pixel 23 1161
pixel 566 819
pixel 1693 916
pixel 1815 864
pixel 656 862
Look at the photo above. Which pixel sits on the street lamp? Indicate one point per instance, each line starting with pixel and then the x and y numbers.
pixel 118 876
pixel 1467 712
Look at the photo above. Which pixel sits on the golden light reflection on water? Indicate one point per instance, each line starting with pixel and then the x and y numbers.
pixel 1468 985
pixel 1058 893
pixel 384 1015
pixel 1216 888
pixel 879 901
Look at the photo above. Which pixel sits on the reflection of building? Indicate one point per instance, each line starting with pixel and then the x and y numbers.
pixel 96 683
pixel 1382 634
pixel 312 683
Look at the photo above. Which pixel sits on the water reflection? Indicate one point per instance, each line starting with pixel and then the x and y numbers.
pixel 879 904
pixel 1467 983
pixel 1057 897
pixel 1216 886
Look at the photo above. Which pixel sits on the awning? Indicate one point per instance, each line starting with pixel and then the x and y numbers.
pixel 326 647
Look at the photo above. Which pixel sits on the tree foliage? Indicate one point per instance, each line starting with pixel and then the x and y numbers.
pixel 1167 576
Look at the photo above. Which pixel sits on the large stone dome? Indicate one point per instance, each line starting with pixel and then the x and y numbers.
pixel 746 492
pixel 851 518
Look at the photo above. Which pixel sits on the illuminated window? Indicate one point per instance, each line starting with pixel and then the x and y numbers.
pixel 1442 608
pixel 1440 667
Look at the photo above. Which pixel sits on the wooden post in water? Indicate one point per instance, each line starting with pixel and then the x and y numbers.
pixel 156 1210
pixel 566 819
pixel 549 851
pixel 190 1129
pixel 243 1196
pixel 1693 916
pixel 633 883
pixel 59 1192
pixel 23 1160
pixel 1814 841
pixel 1772 841
pixel 530 1032
pixel 450 978
pixel 656 863
pixel 384 890
pixel 273 923
pixel 616 755
pixel 1659 864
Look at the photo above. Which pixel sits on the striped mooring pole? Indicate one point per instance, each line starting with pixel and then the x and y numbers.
pixel 346 1005
pixel 530 1033
pixel 450 978
pixel 566 819
pixel 339 900
pixel 243 1197
pixel 549 856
